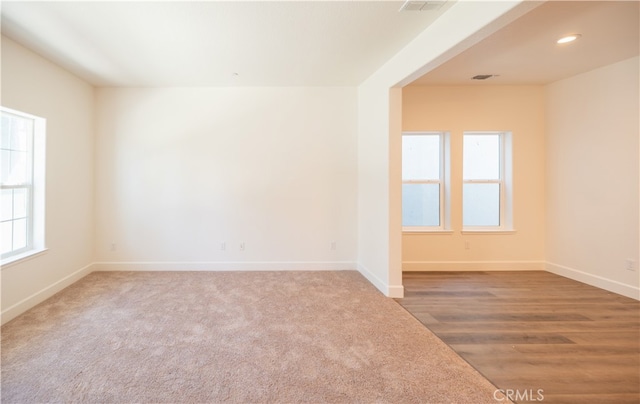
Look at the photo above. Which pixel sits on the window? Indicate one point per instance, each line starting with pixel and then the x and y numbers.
pixel 486 192
pixel 425 176
pixel 22 185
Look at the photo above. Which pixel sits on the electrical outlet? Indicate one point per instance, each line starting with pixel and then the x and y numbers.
pixel 113 246
pixel 631 265
pixel 223 246
pixel 467 245
pixel 242 246
pixel 333 246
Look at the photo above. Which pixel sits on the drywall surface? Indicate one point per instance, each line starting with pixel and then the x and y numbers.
pixel 380 126
pixel 34 85
pixel 226 178
pixel 516 109
pixel 592 177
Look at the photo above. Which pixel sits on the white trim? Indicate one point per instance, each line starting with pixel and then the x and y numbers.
pixel 371 277
pixel 409 266
pixel 392 291
pixel 594 280
pixel 486 230
pixel 395 291
pixel 404 232
pixel 226 266
pixel 567 272
pixel 19 258
pixel 38 297
pixel 444 182
pixel 42 295
pixel 505 182
pixel 35 188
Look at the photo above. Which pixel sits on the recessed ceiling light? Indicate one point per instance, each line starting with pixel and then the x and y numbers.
pixel 568 38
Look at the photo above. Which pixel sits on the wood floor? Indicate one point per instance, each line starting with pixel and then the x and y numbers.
pixel 530 331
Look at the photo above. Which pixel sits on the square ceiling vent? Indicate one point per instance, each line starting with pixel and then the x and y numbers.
pixel 412 5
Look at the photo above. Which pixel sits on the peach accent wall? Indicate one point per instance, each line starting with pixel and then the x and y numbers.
pixel 519 109
pixel 379 129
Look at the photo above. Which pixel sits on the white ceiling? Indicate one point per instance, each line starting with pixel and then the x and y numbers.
pixel 525 51
pixel 306 43
pixel 172 43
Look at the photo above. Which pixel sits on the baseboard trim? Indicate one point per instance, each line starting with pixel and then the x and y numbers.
pixel 594 280
pixel 393 291
pixel 27 303
pixel 227 266
pixel 409 266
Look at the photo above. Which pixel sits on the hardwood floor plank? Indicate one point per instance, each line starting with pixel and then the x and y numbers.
pixel 568 351
pixel 613 398
pixel 503 338
pixel 507 317
pixel 568 326
pixel 534 330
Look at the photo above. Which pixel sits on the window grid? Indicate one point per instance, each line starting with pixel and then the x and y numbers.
pixel 439 181
pixel 500 181
pixel 16 186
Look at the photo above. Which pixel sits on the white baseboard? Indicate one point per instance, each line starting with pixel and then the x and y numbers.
pixel 594 280
pixel 393 291
pixel 226 266
pixel 27 303
pixel 409 266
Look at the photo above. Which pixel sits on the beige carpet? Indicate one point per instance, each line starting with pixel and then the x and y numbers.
pixel 247 337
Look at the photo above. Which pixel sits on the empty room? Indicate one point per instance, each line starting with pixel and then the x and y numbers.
pixel 310 201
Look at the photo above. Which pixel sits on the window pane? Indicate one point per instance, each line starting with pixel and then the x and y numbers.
pixel 21 134
pixel 481 205
pixel 420 204
pixel 6 237
pixel 481 159
pixel 5 164
pixel 420 157
pixel 18 168
pixel 5 142
pixel 19 234
pixel 20 199
pixel 7 205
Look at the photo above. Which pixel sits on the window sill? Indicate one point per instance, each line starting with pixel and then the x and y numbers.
pixel 16 259
pixel 487 231
pixel 427 231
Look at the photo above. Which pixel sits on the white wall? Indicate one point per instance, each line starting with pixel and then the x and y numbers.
pixel 34 85
pixel 380 127
pixel 181 170
pixel 592 177
pixel 290 171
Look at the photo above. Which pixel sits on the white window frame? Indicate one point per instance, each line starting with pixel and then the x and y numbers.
pixel 444 183
pixel 36 191
pixel 505 183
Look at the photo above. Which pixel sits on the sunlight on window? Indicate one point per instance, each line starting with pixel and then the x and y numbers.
pixel 483 179
pixel 18 228
pixel 422 180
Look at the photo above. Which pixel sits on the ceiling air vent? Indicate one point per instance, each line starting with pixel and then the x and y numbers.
pixel 482 76
pixel 413 5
